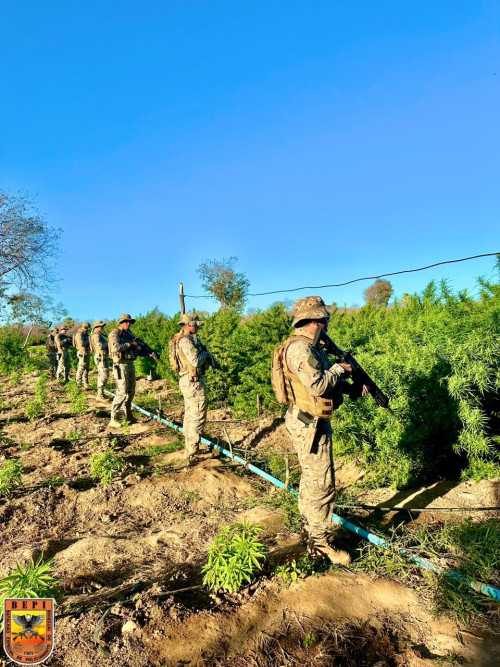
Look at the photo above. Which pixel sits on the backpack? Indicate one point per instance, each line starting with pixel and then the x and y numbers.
pixel 278 379
pixel 50 343
pixel 173 357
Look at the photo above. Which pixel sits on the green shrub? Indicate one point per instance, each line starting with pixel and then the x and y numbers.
pixel 74 436
pixel 36 406
pixel 105 465
pixel 15 379
pixel 33 580
pixel 12 355
pixel 10 476
pixel 234 557
pixel 77 402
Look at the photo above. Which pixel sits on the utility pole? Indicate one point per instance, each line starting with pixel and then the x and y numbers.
pixel 181 297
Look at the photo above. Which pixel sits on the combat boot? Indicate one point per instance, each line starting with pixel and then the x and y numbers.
pixel 100 394
pixel 335 556
pixel 114 423
pixel 131 419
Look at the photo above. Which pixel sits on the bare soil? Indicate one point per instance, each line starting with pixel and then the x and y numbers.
pixel 151 529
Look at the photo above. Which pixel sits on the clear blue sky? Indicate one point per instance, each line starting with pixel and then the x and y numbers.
pixel 316 141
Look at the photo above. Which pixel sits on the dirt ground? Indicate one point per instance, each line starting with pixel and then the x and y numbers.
pixel 146 535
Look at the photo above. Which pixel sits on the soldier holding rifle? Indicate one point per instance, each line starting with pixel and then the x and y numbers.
pixel 124 348
pixel 99 346
pixel 190 358
pixel 314 388
pixel 81 342
pixel 63 343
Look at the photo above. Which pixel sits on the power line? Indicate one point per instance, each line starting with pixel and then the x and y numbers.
pixel 356 280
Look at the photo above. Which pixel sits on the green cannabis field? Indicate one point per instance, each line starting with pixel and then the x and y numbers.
pixel 436 355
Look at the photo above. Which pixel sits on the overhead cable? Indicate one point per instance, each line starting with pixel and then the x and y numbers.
pixel 355 280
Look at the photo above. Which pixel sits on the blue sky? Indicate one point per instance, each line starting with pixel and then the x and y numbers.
pixel 317 142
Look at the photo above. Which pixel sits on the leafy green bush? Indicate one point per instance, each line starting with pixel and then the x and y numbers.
pixel 105 465
pixel 234 557
pixel 76 395
pixel 33 580
pixel 10 476
pixel 12 355
pixel 36 407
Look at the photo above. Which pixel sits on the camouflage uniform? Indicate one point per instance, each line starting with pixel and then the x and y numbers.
pixel 315 386
pixel 81 342
pixel 50 344
pixel 99 346
pixel 193 359
pixel 123 355
pixel 63 343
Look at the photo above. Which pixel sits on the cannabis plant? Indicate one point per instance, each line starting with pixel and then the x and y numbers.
pixel 10 476
pixel 36 406
pixel 105 465
pixel 234 557
pixel 33 580
pixel 76 397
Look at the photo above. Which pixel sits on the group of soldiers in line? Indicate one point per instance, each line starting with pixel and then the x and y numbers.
pixel 312 382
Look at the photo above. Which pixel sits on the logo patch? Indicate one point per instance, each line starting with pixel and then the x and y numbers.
pixel 28 630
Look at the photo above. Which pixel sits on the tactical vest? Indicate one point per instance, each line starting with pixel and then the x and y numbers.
pixel 50 344
pixel 103 352
pixel 292 390
pixel 81 341
pixel 178 359
pixel 127 355
pixel 62 342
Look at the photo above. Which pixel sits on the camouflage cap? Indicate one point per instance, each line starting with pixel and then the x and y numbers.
pixel 99 323
pixel 191 319
pixel 85 325
pixel 54 330
pixel 309 308
pixel 126 318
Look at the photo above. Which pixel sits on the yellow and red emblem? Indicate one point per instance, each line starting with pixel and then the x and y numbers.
pixel 28 629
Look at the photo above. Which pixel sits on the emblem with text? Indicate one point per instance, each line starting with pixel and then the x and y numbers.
pixel 28 629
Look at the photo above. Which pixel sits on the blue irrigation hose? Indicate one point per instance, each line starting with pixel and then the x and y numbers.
pixel 479 587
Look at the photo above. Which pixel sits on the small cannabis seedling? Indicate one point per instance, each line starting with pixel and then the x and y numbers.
pixel 234 557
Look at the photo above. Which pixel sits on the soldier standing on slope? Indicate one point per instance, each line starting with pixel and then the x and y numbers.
pixel 315 388
pixel 63 343
pixel 50 344
pixel 99 346
pixel 191 359
pixel 124 350
pixel 81 342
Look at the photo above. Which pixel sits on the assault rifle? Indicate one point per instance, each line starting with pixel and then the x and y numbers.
pixel 143 349
pixel 211 360
pixel 359 375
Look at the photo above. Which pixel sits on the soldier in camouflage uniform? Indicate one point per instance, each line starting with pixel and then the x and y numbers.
pixel 99 346
pixel 63 343
pixel 124 349
pixel 81 342
pixel 315 387
pixel 193 360
pixel 50 344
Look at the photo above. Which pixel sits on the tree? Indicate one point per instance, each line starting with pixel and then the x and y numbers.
pixel 224 283
pixel 27 244
pixel 33 309
pixel 379 293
